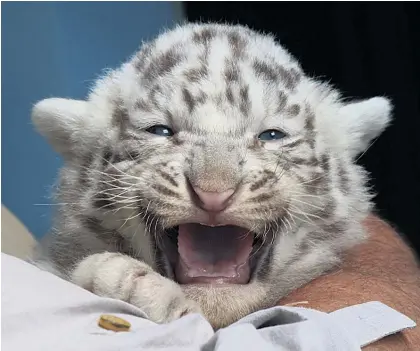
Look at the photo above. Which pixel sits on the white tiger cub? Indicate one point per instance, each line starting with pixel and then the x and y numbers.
pixel 207 174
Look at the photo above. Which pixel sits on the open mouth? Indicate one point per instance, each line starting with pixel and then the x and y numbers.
pixel 201 254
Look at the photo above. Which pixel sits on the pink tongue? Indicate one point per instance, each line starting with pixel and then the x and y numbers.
pixel 213 254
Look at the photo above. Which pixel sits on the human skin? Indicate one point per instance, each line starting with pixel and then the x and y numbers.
pixel 382 269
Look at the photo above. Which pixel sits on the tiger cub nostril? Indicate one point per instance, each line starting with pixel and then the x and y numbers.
pixel 213 201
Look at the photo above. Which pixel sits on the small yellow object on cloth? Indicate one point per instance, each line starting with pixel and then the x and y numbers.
pixel 116 324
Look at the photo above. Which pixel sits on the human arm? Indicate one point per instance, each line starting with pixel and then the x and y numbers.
pixel 382 269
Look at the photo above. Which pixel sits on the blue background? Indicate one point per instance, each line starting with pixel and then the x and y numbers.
pixel 58 49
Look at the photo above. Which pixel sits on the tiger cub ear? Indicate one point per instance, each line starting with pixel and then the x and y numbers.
pixel 63 122
pixel 364 121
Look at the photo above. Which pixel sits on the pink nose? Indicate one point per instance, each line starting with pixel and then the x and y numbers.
pixel 213 201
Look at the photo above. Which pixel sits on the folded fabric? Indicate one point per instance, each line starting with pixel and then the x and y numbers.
pixel 43 312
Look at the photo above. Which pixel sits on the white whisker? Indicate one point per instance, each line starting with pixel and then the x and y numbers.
pixel 308 204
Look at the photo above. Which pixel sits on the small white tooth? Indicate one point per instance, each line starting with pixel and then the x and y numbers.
pixel 208 225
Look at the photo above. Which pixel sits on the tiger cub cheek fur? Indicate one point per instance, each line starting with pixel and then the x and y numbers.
pixel 215 88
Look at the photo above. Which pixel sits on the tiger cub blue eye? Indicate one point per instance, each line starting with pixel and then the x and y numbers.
pixel 271 134
pixel 160 130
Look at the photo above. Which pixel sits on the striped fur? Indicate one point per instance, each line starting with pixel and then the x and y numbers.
pixel 218 87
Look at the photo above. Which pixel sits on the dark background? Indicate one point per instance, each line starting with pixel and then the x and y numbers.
pixel 364 49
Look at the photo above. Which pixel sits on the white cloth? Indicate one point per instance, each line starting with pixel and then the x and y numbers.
pixel 43 312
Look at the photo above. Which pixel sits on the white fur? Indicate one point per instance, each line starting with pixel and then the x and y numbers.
pixel 315 223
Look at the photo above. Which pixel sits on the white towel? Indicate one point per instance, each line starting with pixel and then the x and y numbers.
pixel 43 312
